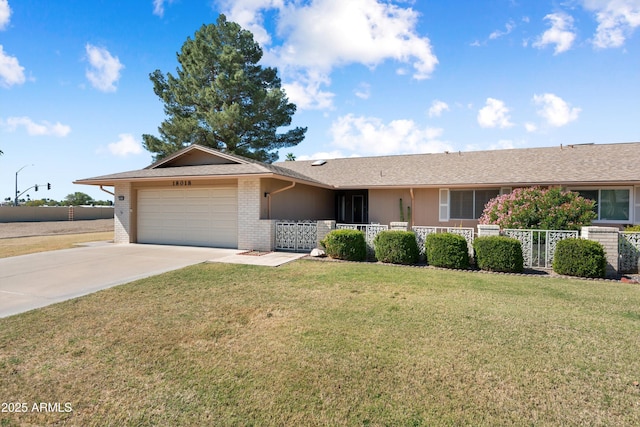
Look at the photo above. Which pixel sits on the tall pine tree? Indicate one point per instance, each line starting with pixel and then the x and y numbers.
pixel 222 98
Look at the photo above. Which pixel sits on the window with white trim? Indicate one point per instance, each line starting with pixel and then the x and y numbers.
pixel 612 204
pixel 469 204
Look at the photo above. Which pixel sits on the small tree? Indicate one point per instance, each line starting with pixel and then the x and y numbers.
pixel 78 198
pixel 539 208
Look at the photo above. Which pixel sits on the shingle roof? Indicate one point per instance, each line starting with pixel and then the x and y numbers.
pixel 573 164
pixel 245 167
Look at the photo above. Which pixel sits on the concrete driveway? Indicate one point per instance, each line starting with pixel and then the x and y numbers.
pixel 37 280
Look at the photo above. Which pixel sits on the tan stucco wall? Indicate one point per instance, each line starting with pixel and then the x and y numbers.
pixel 384 207
pixel 298 203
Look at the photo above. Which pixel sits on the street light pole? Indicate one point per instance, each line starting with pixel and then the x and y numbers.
pixel 16 201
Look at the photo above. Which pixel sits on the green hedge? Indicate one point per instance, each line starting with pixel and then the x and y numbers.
pixel 396 247
pixel 345 244
pixel 446 250
pixel 579 257
pixel 499 253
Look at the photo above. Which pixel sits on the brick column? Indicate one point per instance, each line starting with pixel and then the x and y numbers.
pixel 324 228
pixel 122 213
pixel 608 237
pixel 488 230
pixel 253 233
pixel 403 226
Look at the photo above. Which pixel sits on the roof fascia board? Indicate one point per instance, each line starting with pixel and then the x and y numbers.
pixel 111 182
pixel 484 185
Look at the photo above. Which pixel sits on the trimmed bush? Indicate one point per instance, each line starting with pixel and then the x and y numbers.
pixel 396 247
pixel 580 257
pixel 632 228
pixel 345 244
pixel 446 250
pixel 499 253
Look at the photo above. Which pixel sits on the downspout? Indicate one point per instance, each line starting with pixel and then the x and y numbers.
pixel 268 195
pixel 413 207
pixel 107 191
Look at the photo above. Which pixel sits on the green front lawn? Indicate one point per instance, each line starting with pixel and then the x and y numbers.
pixel 327 343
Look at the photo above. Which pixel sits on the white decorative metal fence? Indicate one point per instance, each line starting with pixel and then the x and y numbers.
pixel 539 246
pixel 629 252
pixel 296 236
pixel 423 231
pixel 370 232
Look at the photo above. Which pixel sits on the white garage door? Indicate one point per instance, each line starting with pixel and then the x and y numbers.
pixel 192 217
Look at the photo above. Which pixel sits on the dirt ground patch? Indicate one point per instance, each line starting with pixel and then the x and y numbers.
pixel 50 228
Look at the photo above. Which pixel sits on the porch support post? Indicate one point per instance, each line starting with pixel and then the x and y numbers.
pixel 608 237
pixel 122 213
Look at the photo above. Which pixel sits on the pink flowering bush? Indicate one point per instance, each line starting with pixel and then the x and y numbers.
pixel 539 208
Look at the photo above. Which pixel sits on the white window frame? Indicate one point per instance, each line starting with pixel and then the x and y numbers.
pixel 474 190
pixel 633 203
pixel 443 205
pixel 636 211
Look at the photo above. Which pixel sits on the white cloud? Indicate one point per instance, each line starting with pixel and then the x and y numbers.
pixel 357 31
pixel 306 92
pixel 561 34
pixel 556 111
pixel 617 19
pixel 35 129
pixel 503 144
pixel 248 13
pixel 494 114
pixel 320 35
pixel 530 127
pixel 509 26
pixel 11 73
pixel 126 145
pixel 158 7
pixel 437 107
pixel 363 91
pixel 371 136
pixel 105 70
pixel 5 14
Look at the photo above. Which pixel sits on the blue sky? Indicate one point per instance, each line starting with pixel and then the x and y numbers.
pixel 369 77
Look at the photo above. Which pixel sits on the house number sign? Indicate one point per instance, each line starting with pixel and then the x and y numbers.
pixel 181 183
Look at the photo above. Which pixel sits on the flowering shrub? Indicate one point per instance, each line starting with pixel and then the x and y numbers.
pixel 539 208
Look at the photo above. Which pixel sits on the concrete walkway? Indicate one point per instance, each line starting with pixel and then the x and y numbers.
pixel 36 280
pixel 271 259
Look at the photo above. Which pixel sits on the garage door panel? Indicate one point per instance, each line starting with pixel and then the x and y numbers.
pixel 199 217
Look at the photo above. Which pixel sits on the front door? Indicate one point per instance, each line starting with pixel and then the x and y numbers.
pixel 357 202
pixel 351 207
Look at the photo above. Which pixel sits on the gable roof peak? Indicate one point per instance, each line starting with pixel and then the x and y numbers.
pixel 198 155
